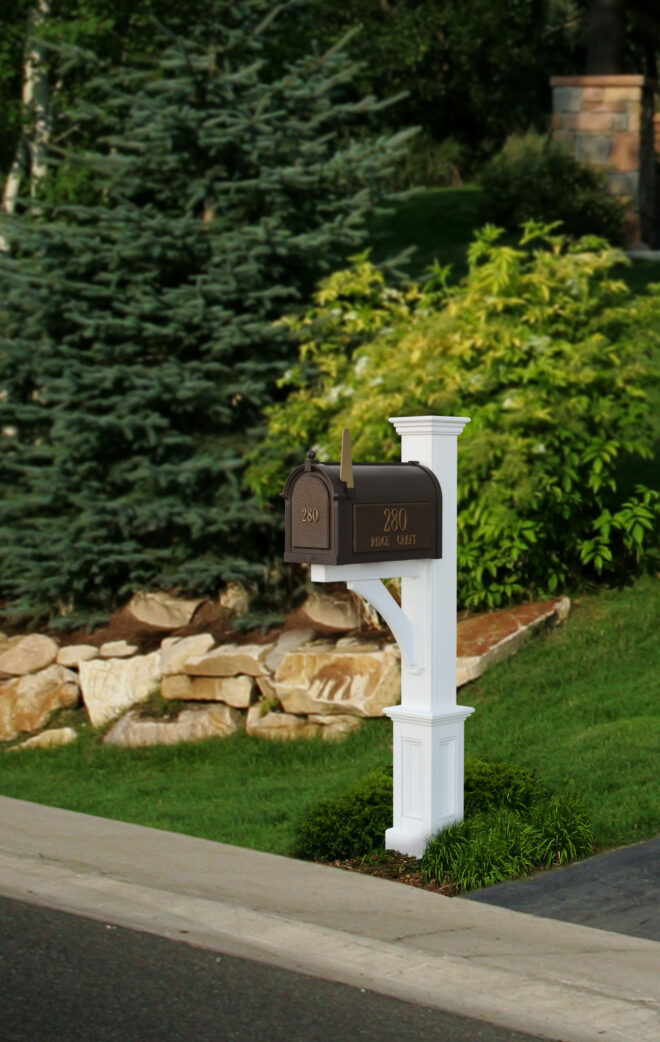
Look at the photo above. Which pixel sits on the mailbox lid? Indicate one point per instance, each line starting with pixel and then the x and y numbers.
pixel 386 482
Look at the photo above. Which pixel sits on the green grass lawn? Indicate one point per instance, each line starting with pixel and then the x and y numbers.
pixel 579 704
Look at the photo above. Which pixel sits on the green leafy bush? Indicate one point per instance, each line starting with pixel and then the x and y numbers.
pixel 429 163
pixel 489 784
pixel 492 846
pixel 532 178
pixel 353 823
pixel 347 825
pixel 552 358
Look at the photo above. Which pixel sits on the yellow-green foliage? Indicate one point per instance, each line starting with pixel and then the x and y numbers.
pixel 550 357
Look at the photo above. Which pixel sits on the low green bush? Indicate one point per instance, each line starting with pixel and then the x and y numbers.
pixel 491 785
pixel 348 825
pixel 495 845
pixel 552 358
pixel 512 825
pixel 532 178
pixel 428 163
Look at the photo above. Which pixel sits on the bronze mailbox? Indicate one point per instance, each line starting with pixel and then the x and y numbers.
pixel 345 513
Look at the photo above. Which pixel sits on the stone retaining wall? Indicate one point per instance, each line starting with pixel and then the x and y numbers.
pixel 320 677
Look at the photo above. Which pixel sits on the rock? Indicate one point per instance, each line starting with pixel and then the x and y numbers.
pixel 176 688
pixel 175 652
pixel 278 726
pixel 74 654
pixel 286 642
pixel 26 703
pixel 162 610
pixel 22 655
pixel 117 649
pixel 355 644
pixel 191 725
pixel 486 639
pixel 48 739
pixel 334 728
pixel 234 691
pixel 235 599
pixel 336 681
pixel 111 686
pixel 231 660
pixel 266 687
pixel 333 611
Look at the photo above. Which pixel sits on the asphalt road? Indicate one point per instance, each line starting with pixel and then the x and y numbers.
pixel 615 891
pixel 67 978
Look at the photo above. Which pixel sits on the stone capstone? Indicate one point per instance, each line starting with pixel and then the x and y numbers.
pixel 162 610
pixel 176 652
pixel 191 725
pixel 234 691
pixel 484 640
pixel 339 681
pixel 73 654
pixel 48 739
pixel 27 703
pixel 231 660
pixel 22 655
pixel 113 685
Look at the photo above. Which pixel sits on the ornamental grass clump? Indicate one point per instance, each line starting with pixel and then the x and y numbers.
pixel 552 358
pixel 493 846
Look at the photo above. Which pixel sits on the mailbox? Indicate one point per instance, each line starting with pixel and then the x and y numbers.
pixel 345 513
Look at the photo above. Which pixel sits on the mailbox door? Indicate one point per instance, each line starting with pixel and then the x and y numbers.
pixel 310 514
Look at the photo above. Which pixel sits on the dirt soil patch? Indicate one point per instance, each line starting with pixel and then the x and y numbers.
pixel 400 868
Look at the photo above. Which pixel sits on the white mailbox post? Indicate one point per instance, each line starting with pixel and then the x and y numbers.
pixel 428 724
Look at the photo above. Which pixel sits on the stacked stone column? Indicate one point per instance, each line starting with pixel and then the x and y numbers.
pixel 608 121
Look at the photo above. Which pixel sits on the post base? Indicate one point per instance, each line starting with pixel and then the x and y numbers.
pixel 428 775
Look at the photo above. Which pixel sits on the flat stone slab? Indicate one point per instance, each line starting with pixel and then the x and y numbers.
pixel 486 639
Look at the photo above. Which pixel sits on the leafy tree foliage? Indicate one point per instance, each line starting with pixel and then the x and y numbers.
pixel 137 347
pixel 549 355
pixel 476 71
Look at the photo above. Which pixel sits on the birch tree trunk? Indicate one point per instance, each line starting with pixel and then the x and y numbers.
pixel 30 157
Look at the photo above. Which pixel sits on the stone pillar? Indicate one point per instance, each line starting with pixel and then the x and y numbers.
pixel 607 121
pixel 428 725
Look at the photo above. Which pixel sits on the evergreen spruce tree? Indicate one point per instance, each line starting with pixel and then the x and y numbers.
pixel 137 337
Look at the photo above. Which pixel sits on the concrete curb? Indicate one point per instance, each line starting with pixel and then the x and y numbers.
pixel 530 974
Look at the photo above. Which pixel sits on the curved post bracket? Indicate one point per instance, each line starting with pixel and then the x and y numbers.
pixel 366 580
pixel 407 637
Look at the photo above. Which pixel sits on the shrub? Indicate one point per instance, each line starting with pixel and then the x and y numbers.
pixel 350 824
pixel 353 823
pixel 489 785
pixel 532 178
pixel 429 163
pixel 550 356
pixel 492 846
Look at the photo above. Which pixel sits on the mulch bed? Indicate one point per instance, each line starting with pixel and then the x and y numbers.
pixel 398 867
